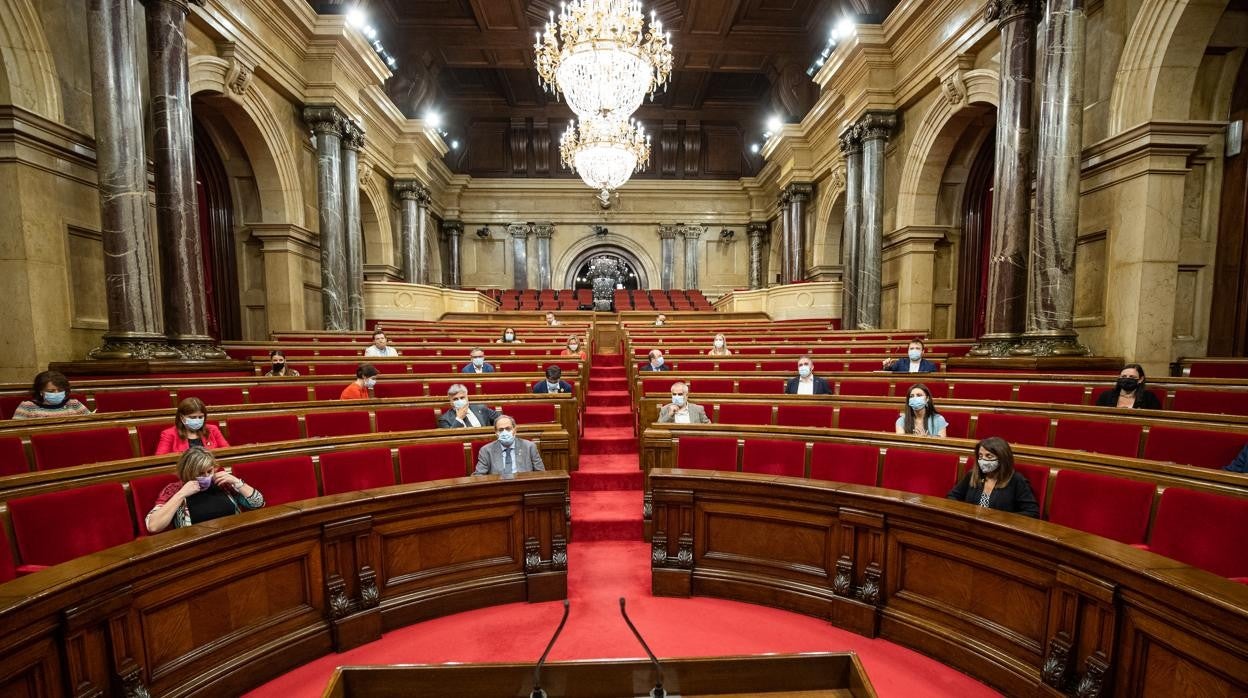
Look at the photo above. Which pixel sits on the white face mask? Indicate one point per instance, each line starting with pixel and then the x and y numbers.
pixel 719 344
pixel 988 466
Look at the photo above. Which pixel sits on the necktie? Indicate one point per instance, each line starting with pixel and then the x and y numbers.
pixel 508 465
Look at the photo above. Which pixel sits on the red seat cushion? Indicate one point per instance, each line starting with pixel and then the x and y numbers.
pixel 761 386
pixel 854 463
pixel 65 449
pixel 1209 402
pixel 775 365
pixel 868 418
pixel 1199 447
pixel 149 436
pixel 738 366
pixel 699 366
pixel 959 423
pixel 327 391
pixel 278 393
pixel 407 388
pixel 213 397
pixel 1103 505
pixel 262 430
pixel 774 457
pixel 144 491
pixel 1038 477
pixel 12 456
pixel 921 472
pixel 338 423
pixel 520 367
pixel 51 528
pixel 432 461
pixel 504 387
pixel 1202 529
pixel 804 416
pixel 712 385
pixel 1055 393
pixel 662 386
pixel 1015 428
pixel 391 367
pixel 875 388
pixel 8 568
pixel 744 413
pixel 439 388
pixel 531 412
pixel 335 368
pixel 126 400
pixel 706 453
pixel 1210 369
pixel 983 391
pixel 1109 438
pixel 349 471
pixel 280 480
pixel 406 419
pixel 10 403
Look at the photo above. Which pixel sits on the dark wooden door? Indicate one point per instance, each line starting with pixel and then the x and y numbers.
pixel 1228 316
pixel 976 233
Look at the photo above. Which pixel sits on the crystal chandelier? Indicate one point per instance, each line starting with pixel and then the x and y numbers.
pixel 597 57
pixel 605 153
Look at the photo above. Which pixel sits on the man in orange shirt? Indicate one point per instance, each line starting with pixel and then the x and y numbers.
pixel 365 379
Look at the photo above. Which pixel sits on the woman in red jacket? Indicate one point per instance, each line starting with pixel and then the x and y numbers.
pixel 190 429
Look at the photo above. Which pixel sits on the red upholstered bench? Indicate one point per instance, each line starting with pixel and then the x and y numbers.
pixel 923 472
pixel 126 400
pixel 875 388
pixel 1209 402
pixel 326 392
pixel 804 415
pixel 387 389
pixel 337 423
pixel 50 528
pixel 439 388
pixel 214 397
pixel 280 480
pixel 706 453
pixel 144 491
pixel 983 391
pixel 434 461
pixel 262 430
pixel 507 387
pixel 1110 507
pixel 1014 428
pixel 349 471
pixel 8 569
pixel 278 393
pixel 774 457
pixel 66 449
pixel 336 369
pixel 1056 393
pixel 706 386
pixel 738 366
pixel 1204 530
pixel 530 412
pixel 1109 438
pixel 1199 447
pixel 761 386
pixel 868 418
pixel 406 419
pixel 12 456
pixel 959 423
pixel 853 463
pixel 744 413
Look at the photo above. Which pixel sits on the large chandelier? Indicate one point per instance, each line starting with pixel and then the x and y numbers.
pixel 597 57
pixel 605 153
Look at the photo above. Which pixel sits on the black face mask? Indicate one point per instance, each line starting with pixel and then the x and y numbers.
pixel 278 368
pixel 1128 385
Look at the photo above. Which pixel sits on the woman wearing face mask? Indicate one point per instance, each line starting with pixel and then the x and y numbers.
pixel 204 492
pixel 509 337
pixel 573 348
pixel 49 397
pixel 920 417
pixel 365 380
pixel 1129 391
pixel 719 347
pixel 279 369
pixel 993 483
pixel 190 430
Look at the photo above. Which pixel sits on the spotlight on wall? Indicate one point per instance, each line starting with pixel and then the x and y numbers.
pixel 483 231
pixel 844 29
pixel 775 123
pixel 433 119
pixel 357 18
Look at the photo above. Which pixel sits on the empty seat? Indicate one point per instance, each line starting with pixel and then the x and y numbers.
pixel 59 526
pixel 263 429
pixel 875 388
pixel 126 400
pixel 144 491
pixel 338 423
pixel 334 368
pixel 324 392
pixel 761 386
pixel 700 366
pixel 280 480
pixel 1038 477
pixel 1199 447
pixel 531 412
pixel 854 463
pixel 8 567
pixel 1103 505
pixel 712 385
pixel 65 449
pixel 867 418
pixel 1109 438
pixel 406 419
pixel 349 471
pixel 1056 393
pixel 922 472
pixel 804 416
pixel 744 413
pixel 505 387
pixel 149 436
pixel 389 389
pixel 278 393
pixel 12 456
pixel 738 366
pixel 706 453
pixel 1209 402
pixel 432 461
pixel 1015 428
pixel 214 397
pixel 1202 529
pixel 983 391
pixel 959 423
pixel 774 457
pixel 785 365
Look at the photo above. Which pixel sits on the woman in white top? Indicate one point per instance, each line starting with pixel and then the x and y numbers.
pixel 720 346
pixel 920 417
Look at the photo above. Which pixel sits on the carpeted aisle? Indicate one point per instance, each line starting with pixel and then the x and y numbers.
pixel 608 560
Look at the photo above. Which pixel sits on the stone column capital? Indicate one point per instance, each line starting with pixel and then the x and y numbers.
pixel 452 228
pixel 876 125
pixel 1006 11
pixel 184 5
pixel 519 231
pixel 851 140
pixel 693 232
pixel 543 230
pixel 325 119
pixel 668 232
pixel 798 193
pixel 352 135
pixel 412 190
pixel 759 229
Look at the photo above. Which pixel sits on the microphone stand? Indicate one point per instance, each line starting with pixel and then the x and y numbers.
pixel 657 691
pixel 537 671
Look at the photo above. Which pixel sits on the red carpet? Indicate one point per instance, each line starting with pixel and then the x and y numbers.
pixel 608 560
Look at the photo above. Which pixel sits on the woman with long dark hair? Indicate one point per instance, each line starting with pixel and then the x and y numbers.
pixel 920 417
pixel 993 483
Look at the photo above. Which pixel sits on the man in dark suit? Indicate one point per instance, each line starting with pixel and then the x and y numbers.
pixel 914 361
pixel 656 362
pixel 552 384
pixel 463 414
pixel 477 363
pixel 806 382
pixel 508 455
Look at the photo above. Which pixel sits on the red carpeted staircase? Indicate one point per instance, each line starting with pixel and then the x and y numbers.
pixel 606 490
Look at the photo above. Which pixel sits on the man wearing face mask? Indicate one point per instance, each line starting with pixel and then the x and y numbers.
pixel 680 410
pixel 656 362
pixel 365 380
pixel 914 361
pixel 507 454
pixel 806 382
pixel 553 382
pixel 477 362
pixel 463 414
pixel 1128 392
pixel 380 346
pixel 660 320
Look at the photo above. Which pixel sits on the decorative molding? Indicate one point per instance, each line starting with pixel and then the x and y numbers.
pixel 798 192
pixel 877 125
pixel 519 231
pixel 1056 662
pixel 842 583
pixel 543 230
pixel 325 120
pixel 353 135
pixel 413 190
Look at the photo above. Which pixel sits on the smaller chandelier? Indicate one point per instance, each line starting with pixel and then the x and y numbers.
pixel 605 153
pixel 601 59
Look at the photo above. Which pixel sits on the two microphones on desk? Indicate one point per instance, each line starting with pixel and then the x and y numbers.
pixel 656 692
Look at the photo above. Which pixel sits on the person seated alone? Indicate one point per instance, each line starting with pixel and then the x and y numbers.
pixel 277 365
pixel 379 347
pixel 365 381
pixel 507 454
pixel 552 321
pixel 719 346
pixel 680 410
pixel 806 382
pixel 477 363
pixel 553 382
pixel 914 361
pixel 920 417
pixel 49 397
pixel 204 492
pixel 573 348
pixel 509 337
pixel 660 320
pixel 656 362
pixel 1129 392
pixel 1240 464
pixel 463 414
pixel 190 430
pixel 993 483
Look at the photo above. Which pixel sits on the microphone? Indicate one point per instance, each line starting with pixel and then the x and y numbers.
pixel 537 671
pixel 657 691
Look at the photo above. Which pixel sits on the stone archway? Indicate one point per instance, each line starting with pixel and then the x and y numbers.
pixel 631 260
pixel 629 248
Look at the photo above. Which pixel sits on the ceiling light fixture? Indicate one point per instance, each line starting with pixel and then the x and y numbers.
pixel 605 153
pixel 356 17
pixel 433 119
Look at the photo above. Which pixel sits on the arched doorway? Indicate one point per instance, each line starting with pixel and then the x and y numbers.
pixel 976 234
pixel 632 274
pixel 216 238
pixel 1228 318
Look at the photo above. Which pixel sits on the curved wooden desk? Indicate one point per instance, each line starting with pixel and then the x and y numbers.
pixel 1024 605
pixel 221 607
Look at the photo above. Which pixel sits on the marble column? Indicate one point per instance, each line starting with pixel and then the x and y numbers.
pixel 874 129
pixel 1051 303
pixel 327 124
pixel 134 316
pixel 454 232
pixel 519 233
pixel 421 237
pixel 693 238
pixel 786 239
pixel 352 142
pixel 798 195
pixel 667 252
pixel 1007 255
pixel 177 213
pixel 543 231
pixel 851 148
pixel 757 232
pixel 411 193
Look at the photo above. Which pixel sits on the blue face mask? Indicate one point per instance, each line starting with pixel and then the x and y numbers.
pixel 918 403
pixel 509 336
pixel 678 400
pixel 205 481
pixel 916 354
pixel 478 361
pixel 459 403
pixel 506 438
pixel 370 383
pixel 657 361
pixel 54 399
pixel 193 423
pixel 803 371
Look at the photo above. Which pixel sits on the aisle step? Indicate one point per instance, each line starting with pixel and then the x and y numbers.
pixel 608 440
pixel 603 472
pixel 608 372
pixel 608 360
pixel 596 417
pixel 611 398
pixel 607 515
pixel 599 384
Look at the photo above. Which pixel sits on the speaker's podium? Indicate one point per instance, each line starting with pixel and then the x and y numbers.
pixel 802 675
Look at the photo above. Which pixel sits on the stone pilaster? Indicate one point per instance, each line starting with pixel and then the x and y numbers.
pixel 454 232
pixel 412 194
pixel 757 232
pixel 667 252
pixel 543 231
pixel 519 233
pixel 874 128
pixel 693 237
pixel 352 143
pixel 327 124
pixel 797 195
pixel 851 238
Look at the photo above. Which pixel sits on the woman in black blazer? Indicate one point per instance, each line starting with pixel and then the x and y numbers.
pixel 1129 392
pixel 993 482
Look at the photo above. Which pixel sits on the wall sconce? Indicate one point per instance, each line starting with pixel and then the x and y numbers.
pixel 483 232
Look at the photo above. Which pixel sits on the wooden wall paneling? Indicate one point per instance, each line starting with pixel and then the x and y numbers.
pixel 1082 619
pixel 669 148
pixel 692 149
pixel 488 148
pixel 858 580
pixel 519 146
pixel 546 546
pixel 722 150
pixel 541 147
pixel 671 545
pixel 351 582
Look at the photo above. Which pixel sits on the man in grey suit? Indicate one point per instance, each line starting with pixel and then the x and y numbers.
pixel 463 414
pixel 508 455
pixel 680 410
